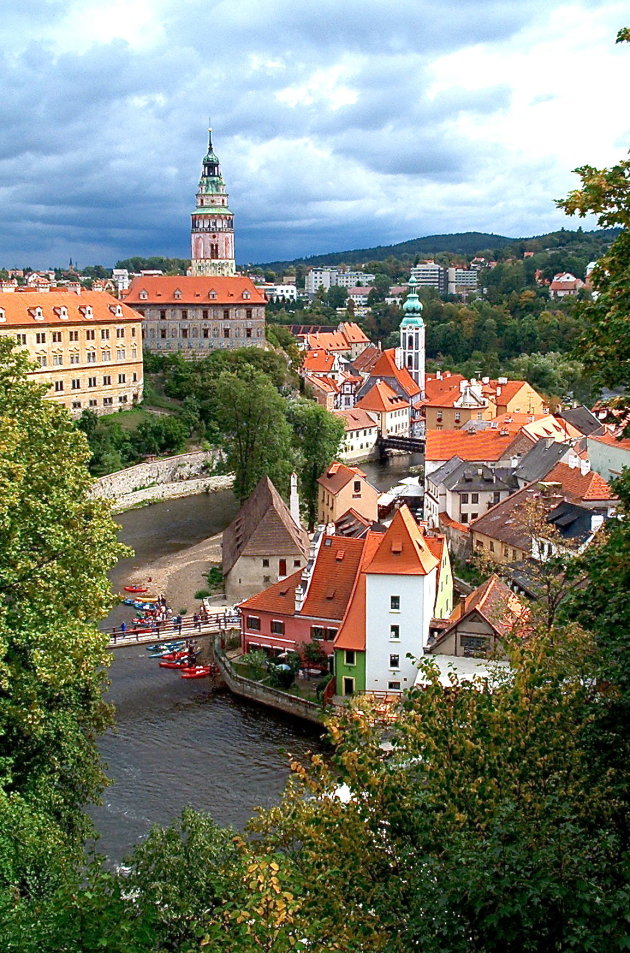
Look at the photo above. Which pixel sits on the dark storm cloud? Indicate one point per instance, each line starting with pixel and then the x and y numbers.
pixel 325 114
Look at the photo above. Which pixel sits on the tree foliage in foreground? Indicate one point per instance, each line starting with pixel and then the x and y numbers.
pixel 56 546
pixel 317 436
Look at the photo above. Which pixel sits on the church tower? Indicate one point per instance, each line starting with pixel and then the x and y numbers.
pixel 411 351
pixel 212 238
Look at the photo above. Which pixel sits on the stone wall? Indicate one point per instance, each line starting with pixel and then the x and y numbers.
pixel 264 695
pixel 183 475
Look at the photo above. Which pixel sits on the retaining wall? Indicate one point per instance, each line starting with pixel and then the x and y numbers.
pixel 183 475
pixel 264 695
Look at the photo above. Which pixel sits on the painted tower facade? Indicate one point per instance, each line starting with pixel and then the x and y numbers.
pixel 212 238
pixel 412 345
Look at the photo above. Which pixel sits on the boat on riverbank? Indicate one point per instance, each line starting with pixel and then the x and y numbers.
pixel 199 671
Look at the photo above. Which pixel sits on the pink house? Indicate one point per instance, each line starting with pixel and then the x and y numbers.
pixel 307 606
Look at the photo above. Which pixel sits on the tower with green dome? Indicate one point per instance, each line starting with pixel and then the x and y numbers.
pixel 411 351
pixel 212 238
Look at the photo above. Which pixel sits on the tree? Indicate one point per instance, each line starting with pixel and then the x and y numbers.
pixel 56 547
pixel 317 435
pixel 606 329
pixel 250 415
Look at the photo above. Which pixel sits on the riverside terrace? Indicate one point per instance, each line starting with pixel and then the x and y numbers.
pixel 210 624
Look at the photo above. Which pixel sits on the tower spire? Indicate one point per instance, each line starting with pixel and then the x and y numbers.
pixel 212 234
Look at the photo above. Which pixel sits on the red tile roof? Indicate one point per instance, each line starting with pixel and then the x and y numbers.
pixel 356 419
pixel 403 550
pixel 161 290
pixel 333 577
pixel 338 475
pixel 278 598
pixel 386 367
pixel 479 445
pixel 367 359
pixel 382 398
pixel 580 486
pixel 353 333
pixel 20 310
pixel 333 340
pixel 318 362
pixel 498 605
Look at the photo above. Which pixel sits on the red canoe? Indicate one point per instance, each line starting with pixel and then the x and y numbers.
pixel 198 671
pixel 173 663
pixel 135 589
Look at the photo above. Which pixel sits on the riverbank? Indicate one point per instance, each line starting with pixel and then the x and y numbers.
pixel 178 576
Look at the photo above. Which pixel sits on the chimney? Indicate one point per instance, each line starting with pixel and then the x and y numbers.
pixel 438 375
pixel 498 391
pixel 513 462
pixel 485 380
pixel 596 521
pixel 573 461
pixel 294 500
pixel 585 467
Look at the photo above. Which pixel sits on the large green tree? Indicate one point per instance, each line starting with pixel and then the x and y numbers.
pixel 317 437
pixel 250 415
pixel 56 546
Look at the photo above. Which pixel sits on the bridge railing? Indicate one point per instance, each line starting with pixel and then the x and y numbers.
pixel 168 630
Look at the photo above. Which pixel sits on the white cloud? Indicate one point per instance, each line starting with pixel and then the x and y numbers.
pixel 337 125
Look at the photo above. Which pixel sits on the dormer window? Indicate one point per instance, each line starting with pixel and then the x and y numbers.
pixel 212 294
pixel 62 313
pixel 3 316
pixel 246 295
pixel 37 313
pixel 143 295
pixel 177 293
pixel 86 311
pixel 116 310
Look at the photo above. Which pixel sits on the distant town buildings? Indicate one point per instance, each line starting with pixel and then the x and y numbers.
pixel 326 278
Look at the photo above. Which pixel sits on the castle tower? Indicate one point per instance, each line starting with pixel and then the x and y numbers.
pixel 412 351
pixel 212 238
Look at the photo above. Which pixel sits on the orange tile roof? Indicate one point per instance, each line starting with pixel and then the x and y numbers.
pixel 356 419
pixel 333 578
pixel 332 340
pixel 160 289
pixel 319 361
pixel 403 550
pixel 581 486
pixel 386 367
pixel 20 310
pixel 353 333
pixel 382 398
pixel 475 445
pixel 493 600
pixel 611 440
pixel 351 635
pixel 279 598
pixel 338 475
pixel 324 384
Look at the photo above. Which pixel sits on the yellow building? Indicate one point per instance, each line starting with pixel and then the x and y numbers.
pixel 87 346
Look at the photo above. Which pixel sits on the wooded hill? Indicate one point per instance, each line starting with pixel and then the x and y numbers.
pixel 465 244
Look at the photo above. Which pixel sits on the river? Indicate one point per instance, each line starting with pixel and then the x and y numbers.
pixel 176 744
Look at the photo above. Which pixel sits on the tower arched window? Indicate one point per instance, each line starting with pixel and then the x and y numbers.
pixel 410 341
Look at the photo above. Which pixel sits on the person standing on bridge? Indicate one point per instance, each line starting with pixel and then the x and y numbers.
pixel 123 629
pixel 197 621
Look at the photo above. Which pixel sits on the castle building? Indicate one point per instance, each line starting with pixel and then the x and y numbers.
pixel 212 237
pixel 412 347
pixel 86 346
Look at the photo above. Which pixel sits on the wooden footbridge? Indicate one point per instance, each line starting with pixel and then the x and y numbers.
pixel 169 631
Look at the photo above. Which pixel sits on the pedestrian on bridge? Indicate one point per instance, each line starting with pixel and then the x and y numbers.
pixel 123 629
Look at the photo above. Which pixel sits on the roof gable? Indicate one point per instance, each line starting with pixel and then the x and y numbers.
pixel 263 526
pixel 403 549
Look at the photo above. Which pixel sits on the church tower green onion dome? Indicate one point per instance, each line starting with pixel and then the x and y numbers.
pixel 412 308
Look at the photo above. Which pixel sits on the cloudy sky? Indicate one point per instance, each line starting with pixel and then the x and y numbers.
pixel 339 124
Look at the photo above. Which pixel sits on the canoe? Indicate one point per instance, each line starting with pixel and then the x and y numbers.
pixel 135 589
pixel 198 671
pixel 169 646
pixel 169 654
pixel 173 663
